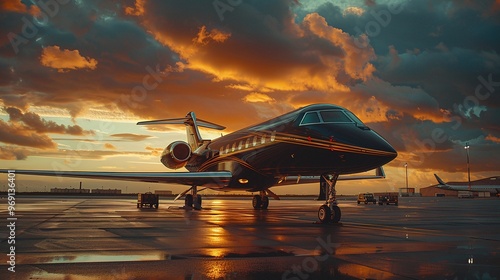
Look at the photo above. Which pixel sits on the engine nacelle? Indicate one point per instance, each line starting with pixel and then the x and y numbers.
pixel 176 155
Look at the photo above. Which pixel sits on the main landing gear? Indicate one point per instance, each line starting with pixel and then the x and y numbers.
pixel 193 200
pixel 329 212
pixel 260 201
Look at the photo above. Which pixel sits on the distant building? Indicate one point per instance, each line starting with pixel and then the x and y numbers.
pixel 163 192
pixel 66 190
pixel 108 191
pixel 435 191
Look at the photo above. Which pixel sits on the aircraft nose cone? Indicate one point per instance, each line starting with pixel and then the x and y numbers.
pixel 380 144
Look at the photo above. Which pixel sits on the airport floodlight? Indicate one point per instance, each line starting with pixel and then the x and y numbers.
pixel 467 147
pixel 406 171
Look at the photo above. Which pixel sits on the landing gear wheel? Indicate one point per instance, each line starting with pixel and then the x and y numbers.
pixel 188 201
pixel 324 214
pixel 197 202
pixel 336 214
pixel 257 202
pixel 265 203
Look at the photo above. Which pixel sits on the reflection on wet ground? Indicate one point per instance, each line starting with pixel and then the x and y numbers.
pixel 89 238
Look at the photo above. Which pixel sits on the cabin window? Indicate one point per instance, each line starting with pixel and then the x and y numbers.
pixel 247 143
pixel 227 149
pixel 310 118
pixel 263 139
pixel 273 136
pixel 240 145
pixel 233 148
pixel 254 141
pixel 334 117
pixel 221 150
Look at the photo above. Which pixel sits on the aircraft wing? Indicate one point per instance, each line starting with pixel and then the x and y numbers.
pixel 183 178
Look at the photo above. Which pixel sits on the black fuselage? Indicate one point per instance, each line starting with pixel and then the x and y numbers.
pixel 311 141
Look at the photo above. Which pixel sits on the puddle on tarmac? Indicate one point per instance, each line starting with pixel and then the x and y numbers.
pixel 92 258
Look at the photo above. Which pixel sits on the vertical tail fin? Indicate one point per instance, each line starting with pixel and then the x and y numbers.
pixel 191 122
pixel 440 181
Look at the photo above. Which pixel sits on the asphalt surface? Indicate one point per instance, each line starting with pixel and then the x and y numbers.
pixel 109 238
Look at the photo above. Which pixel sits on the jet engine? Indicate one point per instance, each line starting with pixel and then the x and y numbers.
pixel 176 155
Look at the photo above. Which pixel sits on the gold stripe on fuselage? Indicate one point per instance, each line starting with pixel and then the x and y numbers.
pixel 272 138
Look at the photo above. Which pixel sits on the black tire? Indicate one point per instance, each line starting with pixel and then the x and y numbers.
pixel 324 214
pixel 197 205
pixel 188 201
pixel 264 203
pixel 336 214
pixel 256 202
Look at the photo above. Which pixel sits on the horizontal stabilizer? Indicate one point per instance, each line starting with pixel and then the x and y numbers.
pixel 186 120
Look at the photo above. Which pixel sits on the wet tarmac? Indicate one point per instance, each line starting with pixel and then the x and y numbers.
pixel 109 238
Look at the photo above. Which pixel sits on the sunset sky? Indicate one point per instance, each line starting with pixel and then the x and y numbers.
pixel 75 77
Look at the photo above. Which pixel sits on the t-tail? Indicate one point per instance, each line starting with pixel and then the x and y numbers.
pixel 192 123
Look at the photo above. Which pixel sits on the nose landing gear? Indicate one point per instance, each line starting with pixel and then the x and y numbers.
pixel 329 212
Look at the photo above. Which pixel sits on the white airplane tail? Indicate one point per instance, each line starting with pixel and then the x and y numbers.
pixel 440 181
pixel 192 123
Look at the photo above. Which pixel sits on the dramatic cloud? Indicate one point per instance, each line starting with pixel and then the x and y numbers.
pixel 34 122
pixel 63 60
pixel 19 135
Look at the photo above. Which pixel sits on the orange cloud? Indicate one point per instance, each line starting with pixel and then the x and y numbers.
pixel 154 151
pixel 354 10
pixel 109 146
pixel 204 37
pixel 355 61
pixel 493 138
pixel 295 56
pixel 13 6
pixel 137 10
pixel 258 97
pixel 65 60
pixel 19 135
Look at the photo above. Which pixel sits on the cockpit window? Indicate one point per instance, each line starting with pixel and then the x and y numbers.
pixel 334 117
pixel 310 118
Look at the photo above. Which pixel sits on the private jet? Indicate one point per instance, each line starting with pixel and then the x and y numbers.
pixel 318 143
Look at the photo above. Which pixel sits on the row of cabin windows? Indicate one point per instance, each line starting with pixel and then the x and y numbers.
pixel 249 142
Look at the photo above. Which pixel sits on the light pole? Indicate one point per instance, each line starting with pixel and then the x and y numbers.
pixel 406 169
pixel 468 164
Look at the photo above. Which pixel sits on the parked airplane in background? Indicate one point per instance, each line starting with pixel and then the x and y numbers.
pixel 316 143
pixel 491 185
